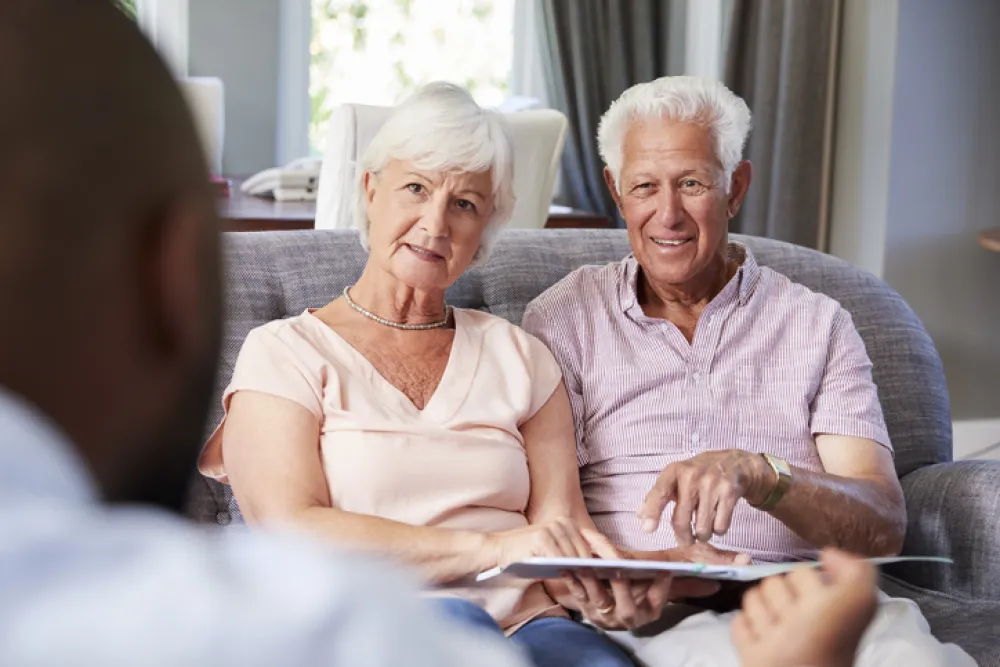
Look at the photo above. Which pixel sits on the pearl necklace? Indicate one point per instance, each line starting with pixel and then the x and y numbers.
pixel 397 325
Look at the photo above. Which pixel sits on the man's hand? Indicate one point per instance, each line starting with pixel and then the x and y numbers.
pixel 699 552
pixel 705 490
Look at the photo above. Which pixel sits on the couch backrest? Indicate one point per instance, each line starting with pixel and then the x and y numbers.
pixel 272 275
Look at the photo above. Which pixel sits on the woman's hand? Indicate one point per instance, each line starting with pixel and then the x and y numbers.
pixel 620 604
pixel 553 539
pixel 649 596
pixel 616 604
pixel 561 538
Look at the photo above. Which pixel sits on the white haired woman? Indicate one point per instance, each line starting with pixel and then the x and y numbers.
pixel 387 421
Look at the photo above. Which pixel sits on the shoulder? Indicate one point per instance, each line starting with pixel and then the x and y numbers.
pixel 576 293
pixel 300 336
pixel 497 332
pixel 798 301
pixel 480 320
pixel 288 330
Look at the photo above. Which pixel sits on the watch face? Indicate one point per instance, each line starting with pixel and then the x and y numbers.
pixel 781 465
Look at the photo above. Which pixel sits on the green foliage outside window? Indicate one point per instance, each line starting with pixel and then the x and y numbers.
pixel 378 51
pixel 127 6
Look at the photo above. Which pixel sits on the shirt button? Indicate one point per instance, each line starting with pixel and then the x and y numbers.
pixel 223 518
pixel 696 377
pixel 695 438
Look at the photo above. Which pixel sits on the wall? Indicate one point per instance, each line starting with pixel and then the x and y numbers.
pixel 945 187
pixel 860 189
pixel 918 175
pixel 240 45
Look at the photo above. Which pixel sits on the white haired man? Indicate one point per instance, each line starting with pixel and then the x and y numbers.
pixel 686 360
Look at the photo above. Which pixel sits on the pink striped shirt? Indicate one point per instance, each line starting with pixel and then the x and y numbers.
pixel 772 364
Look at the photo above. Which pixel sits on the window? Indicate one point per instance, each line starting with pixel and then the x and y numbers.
pixel 378 51
pixel 165 23
pixel 127 6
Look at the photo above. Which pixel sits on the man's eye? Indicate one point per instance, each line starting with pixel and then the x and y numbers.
pixel 692 186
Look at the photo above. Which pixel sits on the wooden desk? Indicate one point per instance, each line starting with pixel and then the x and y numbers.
pixel 990 239
pixel 245 213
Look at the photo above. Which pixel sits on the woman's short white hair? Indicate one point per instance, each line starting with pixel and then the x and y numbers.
pixel 681 99
pixel 441 128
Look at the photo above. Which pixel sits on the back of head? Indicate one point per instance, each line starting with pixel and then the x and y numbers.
pixel 680 99
pixel 440 127
pixel 108 242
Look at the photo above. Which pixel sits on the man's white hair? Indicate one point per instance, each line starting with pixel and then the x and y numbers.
pixel 680 99
pixel 441 128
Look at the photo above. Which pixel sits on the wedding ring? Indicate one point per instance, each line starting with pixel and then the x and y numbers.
pixel 606 610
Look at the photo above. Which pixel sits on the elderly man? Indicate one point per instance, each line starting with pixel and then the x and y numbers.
pixel 704 382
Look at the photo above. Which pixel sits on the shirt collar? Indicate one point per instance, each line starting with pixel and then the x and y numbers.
pixel 36 458
pixel 747 277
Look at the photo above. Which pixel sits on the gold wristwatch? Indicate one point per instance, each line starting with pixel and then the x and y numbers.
pixel 783 472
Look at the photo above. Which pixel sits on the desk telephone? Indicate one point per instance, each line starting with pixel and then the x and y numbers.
pixel 296 181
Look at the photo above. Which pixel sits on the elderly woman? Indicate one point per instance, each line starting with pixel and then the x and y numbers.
pixel 388 421
pixel 702 381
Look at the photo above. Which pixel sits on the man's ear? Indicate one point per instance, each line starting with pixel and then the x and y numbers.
pixel 173 276
pixel 609 178
pixel 739 186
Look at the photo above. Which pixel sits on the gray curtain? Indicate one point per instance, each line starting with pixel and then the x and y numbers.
pixel 593 50
pixel 781 58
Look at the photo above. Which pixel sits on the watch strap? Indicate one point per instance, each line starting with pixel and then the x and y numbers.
pixel 783 480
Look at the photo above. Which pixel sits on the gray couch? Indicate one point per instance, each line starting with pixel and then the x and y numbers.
pixel 954 508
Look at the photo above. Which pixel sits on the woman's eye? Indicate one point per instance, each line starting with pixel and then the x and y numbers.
pixel 415 188
pixel 466 205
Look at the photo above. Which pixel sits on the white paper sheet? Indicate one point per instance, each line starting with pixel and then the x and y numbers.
pixel 552 568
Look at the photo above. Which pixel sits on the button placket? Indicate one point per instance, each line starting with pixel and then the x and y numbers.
pixel 701 353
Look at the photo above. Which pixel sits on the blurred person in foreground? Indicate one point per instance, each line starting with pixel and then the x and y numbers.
pixel 109 279
pixel 715 388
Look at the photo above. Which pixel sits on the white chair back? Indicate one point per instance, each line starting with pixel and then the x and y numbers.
pixel 539 136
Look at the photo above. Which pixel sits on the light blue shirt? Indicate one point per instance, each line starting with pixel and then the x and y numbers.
pixel 82 583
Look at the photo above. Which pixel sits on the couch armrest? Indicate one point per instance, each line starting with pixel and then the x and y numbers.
pixel 953 510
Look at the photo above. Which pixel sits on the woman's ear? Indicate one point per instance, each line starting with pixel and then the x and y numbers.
pixel 368 182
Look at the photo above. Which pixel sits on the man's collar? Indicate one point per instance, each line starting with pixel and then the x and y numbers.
pixel 37 460
pixel 748 273
pixel 747 276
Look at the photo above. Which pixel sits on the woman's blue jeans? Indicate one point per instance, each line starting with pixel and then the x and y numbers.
pixel 549 642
